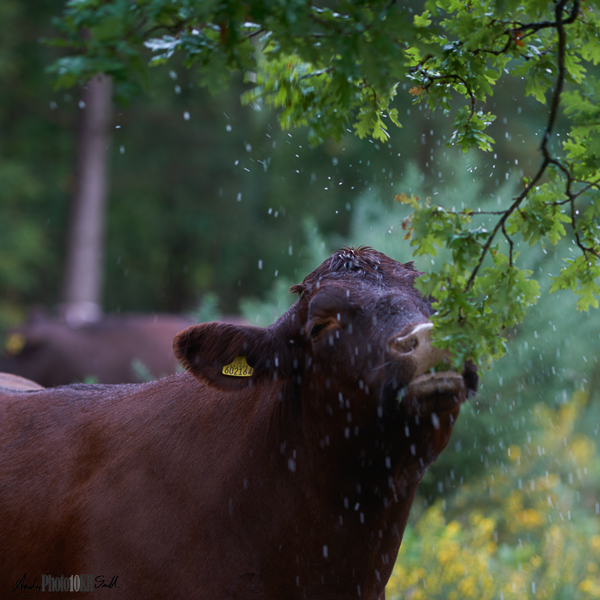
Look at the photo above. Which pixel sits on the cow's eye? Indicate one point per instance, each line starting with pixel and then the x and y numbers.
pixel 317 328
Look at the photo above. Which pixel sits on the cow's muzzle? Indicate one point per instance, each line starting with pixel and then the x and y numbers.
pixel 416 347
pixel 427 391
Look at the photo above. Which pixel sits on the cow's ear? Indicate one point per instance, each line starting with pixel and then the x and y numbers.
pixel 229 356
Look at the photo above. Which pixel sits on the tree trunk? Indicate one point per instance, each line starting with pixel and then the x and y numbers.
pixel 83 270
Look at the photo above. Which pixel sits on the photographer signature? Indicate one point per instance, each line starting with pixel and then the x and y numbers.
pixel 23 586
pixel 100 582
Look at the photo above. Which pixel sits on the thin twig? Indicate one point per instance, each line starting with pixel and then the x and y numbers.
pixel 500 224
pixel 472 213
pixel 316 73
pixel 257 32
pixel 325 24
pixel 584 249
pixel 574 195
pixel 571 197
pixel 510 245
pixel 433 78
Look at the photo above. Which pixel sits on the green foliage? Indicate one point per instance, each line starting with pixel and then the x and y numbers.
pixel 339 70
pixel 583 147
pixel 141 370
pixel 208 309
pixel 326 68
pixel 580 276
pixel 483 306
pixel 265 311
pixel 19 236
pixel 542 216
pixel 31 179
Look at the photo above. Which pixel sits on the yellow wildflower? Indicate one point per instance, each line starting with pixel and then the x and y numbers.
pixel 530 518
pixel 582 448
pixel 467 586
pixel 536 560
pixel 514 452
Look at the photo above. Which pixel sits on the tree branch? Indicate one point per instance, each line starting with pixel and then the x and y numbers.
pixel 547 158
pixel 500 224
pixel 560 22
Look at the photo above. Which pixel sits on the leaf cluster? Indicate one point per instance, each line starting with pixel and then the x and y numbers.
pixel 336 68
pixel 471 313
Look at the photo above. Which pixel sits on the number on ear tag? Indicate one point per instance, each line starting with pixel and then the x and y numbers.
pixel 238 368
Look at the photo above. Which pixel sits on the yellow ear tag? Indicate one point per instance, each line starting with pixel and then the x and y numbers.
pixel 15 343
pixel 238 368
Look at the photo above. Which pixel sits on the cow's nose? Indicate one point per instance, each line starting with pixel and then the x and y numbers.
pixel 417 347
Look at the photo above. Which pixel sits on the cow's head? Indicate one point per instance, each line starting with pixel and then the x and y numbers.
pixel 358 335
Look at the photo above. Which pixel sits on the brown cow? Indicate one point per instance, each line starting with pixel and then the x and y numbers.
pixel 281 466
pixel 53 352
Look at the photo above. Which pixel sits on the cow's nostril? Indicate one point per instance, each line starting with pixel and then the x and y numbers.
pixel 406 344
pixel 415 347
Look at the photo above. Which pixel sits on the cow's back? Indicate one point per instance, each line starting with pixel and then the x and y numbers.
pixel 134 481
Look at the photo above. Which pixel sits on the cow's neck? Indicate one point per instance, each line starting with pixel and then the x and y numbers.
pixel 352 448
pixel 369 498
pixel 367 479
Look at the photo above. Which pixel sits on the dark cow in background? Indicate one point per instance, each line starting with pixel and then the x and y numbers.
pixel 115 349
pixel 281 466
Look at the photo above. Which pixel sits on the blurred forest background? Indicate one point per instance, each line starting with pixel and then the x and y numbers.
pixel 212 209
